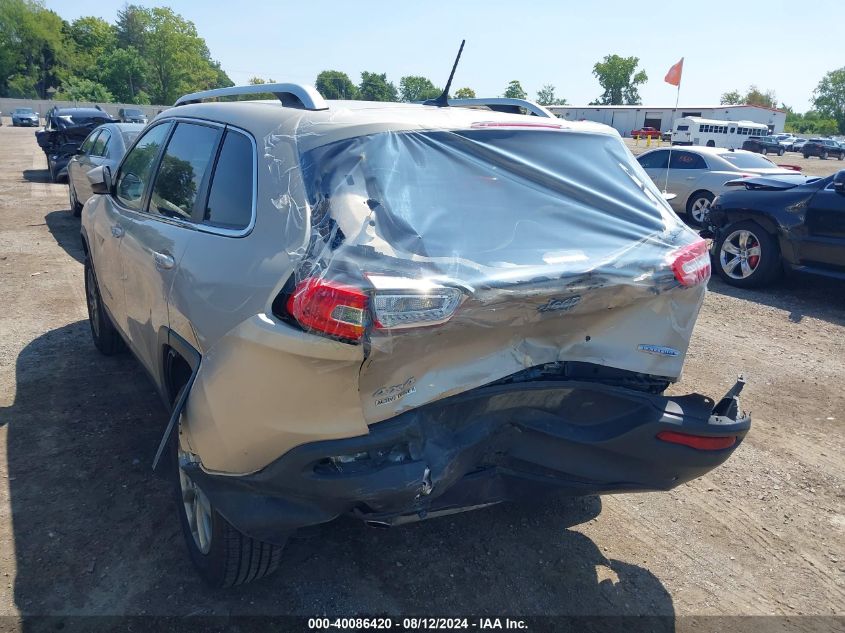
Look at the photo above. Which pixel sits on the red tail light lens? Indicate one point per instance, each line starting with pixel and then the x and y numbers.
pixel 700 442
pixel 329 307
pixel 691 263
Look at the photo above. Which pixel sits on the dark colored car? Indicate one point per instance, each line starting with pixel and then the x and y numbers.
pixel 106 145
pixel 24 117
pixel 823 148
pixel 132 115
pixel 772 222
pixel 764 145
pixel 63 133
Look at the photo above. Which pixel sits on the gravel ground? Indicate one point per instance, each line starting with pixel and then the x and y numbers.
pixel 85 528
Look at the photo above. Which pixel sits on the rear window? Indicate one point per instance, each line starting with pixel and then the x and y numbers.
pixel 132 113
pixel 490 195
pixel 747 161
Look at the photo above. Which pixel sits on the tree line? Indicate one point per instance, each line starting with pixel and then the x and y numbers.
pixel 154 55
pixel 147 56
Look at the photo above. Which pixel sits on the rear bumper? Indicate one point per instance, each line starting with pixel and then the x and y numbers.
pixel 485 446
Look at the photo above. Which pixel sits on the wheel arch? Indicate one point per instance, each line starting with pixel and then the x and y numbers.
pixel 694 194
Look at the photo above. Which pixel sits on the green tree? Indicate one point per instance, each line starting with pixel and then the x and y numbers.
pixel 810 123
pixel 546 96
pixel 91 38
pixel 81 89
pixel 178 58
pixel 133 23
pixel 417 88
pixel 515 90
pixel 257 81
pixel 619 78
pixel 752 96
pixel 334 84
pixel 465 93
pixel 376 87
pixel 829 97
pixel 123 72
pixel 32 42
pixel 731 97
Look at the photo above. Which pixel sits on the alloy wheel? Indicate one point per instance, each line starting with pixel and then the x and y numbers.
pixel 699 209
pixel 740 254
pixel 196 506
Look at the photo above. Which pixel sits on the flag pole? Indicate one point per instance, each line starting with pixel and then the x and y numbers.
pixel 669 161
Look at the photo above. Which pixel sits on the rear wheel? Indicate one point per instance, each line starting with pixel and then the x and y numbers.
pixel 824 155
pixel 841 155
pixel 75 207
pixel 105 335
pixel 747 255
pixel 780 152
pixel 806 155
pixel 698 206
pixel 224 556
pixel 764 151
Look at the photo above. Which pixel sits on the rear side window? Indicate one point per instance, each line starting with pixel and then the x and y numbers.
pixel 137 167
pixel 687 160
pixel 230 197
pixel 183 169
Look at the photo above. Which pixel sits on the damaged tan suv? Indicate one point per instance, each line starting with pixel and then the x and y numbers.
pixel 395 311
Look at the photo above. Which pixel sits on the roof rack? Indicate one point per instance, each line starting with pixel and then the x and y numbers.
pixel 504 104
pixel 299 96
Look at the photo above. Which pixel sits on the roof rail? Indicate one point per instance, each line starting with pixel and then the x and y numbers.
pixel 299 96
pixel 504 104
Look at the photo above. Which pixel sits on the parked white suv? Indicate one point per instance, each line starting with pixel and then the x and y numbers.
pixel 395 311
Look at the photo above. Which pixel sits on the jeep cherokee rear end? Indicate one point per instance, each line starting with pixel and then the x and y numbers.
pixel 466 307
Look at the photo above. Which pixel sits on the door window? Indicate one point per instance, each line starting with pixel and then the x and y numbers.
pixel 88 143
pixel 183 170
pixel 687 160
pixel 229 203
pixel 101 144
pixel 134 175
pixel 655 160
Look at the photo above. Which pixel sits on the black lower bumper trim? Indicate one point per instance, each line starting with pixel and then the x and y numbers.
pixel 484 446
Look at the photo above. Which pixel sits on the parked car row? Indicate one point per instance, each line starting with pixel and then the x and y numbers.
pixel 364 283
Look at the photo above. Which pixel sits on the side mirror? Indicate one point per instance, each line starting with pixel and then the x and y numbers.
pixel 839 182
pixel 100 179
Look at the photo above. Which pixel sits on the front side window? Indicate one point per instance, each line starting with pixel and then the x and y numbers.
pixel 88 143
pixel 101 144
pixel 229 203
pixel 134 175
pixel 655 160
pixel 183 167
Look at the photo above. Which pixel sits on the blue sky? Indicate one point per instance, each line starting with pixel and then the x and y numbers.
pixel 727 45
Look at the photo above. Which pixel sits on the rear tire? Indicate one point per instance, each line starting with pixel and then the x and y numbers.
pixel 75 207
pixel 764 151
pixel 105 335
pixel 223 556
pixel 698 206
pixel 806 156
pixel 747 256
pixel 780 152
pixel 824 155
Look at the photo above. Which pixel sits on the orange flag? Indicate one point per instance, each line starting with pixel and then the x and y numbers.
pixel 674 75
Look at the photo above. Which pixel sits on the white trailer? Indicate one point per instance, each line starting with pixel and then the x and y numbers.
pixel 715 132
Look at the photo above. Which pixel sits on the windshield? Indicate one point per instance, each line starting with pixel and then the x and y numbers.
pixel 24 111
pixel 747 161
pixel 482 192
pixel 129 112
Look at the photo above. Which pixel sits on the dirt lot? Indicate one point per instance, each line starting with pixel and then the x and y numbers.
pixel 85 528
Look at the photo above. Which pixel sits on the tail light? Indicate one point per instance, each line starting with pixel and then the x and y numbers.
pixel 700 442
pixel 343 311
pixel 328 307
pixel 691 263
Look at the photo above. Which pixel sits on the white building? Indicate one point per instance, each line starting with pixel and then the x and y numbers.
pixel 626 118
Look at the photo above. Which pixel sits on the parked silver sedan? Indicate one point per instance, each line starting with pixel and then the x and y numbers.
pixel 696 175
pixel 105 145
